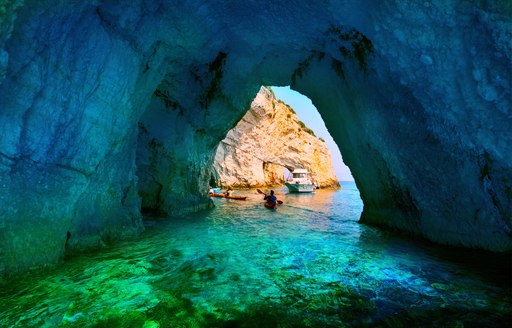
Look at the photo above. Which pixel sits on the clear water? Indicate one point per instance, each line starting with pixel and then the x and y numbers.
pixel 307 264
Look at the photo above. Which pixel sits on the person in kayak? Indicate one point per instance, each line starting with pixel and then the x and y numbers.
pixel 229 192
pixel 271 198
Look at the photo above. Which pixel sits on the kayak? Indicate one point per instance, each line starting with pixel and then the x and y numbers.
pixel 236 197
pixel 217 195
pixel 270 205
pixel 229 197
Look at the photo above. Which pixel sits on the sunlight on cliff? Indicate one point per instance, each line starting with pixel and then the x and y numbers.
pixel 268 139
pixel 308 114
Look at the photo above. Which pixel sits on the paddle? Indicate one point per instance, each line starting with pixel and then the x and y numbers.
pixel 280 202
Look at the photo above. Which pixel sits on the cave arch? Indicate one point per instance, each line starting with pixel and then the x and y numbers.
pixel 271 173
pixel 420 110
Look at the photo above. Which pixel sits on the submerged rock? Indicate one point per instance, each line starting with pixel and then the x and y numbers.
pixel 100 100
pixel 268 139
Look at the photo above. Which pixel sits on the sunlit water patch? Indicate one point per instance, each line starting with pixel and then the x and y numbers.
pixel 308 263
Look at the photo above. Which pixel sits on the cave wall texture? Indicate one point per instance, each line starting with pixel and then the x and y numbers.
pixel 107 106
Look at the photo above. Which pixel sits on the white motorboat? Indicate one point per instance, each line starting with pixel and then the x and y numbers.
pixel 300 180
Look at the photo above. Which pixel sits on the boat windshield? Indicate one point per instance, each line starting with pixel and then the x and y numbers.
pixel 299 175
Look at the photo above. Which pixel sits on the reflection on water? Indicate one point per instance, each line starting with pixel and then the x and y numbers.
pixel 309 263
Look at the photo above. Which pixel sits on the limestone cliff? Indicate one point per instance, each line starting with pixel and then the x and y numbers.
pixel 268 139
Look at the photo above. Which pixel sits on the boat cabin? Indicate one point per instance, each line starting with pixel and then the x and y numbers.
pixel 299 175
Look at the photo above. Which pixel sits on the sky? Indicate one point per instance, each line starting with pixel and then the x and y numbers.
pixel 308 114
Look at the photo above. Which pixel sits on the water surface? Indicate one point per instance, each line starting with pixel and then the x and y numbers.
pixel 308 263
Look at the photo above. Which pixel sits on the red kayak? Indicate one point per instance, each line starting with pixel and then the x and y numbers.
pixel 270 205
pixel 229 197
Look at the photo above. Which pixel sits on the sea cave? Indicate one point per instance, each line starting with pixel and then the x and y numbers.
pixel 106 107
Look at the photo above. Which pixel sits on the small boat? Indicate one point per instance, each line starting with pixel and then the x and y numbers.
pixel 236 197
pixel 300 180
pixel 229 197
pixel 270 205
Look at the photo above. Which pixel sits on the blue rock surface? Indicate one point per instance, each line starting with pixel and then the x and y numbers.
pixel 107 107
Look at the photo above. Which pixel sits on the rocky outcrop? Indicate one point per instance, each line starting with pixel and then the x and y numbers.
pixel 268 139
pixel 105 106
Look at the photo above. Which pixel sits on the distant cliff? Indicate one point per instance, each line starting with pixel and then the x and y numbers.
pixel 268 139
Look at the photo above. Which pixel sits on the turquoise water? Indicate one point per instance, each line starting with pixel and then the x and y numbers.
pixel 306 264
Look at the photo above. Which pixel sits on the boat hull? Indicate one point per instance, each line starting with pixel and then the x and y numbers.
pixel 236 197
pixel 270 205
pixel 229 197
pixel 300 187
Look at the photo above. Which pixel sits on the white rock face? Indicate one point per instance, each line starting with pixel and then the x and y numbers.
pixel 99 100
pixel 268 139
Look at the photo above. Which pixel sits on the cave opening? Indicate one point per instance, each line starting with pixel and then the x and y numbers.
pixel 313 123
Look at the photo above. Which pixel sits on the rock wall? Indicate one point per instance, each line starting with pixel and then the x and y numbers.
pixel 100 102
pixel 268 139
